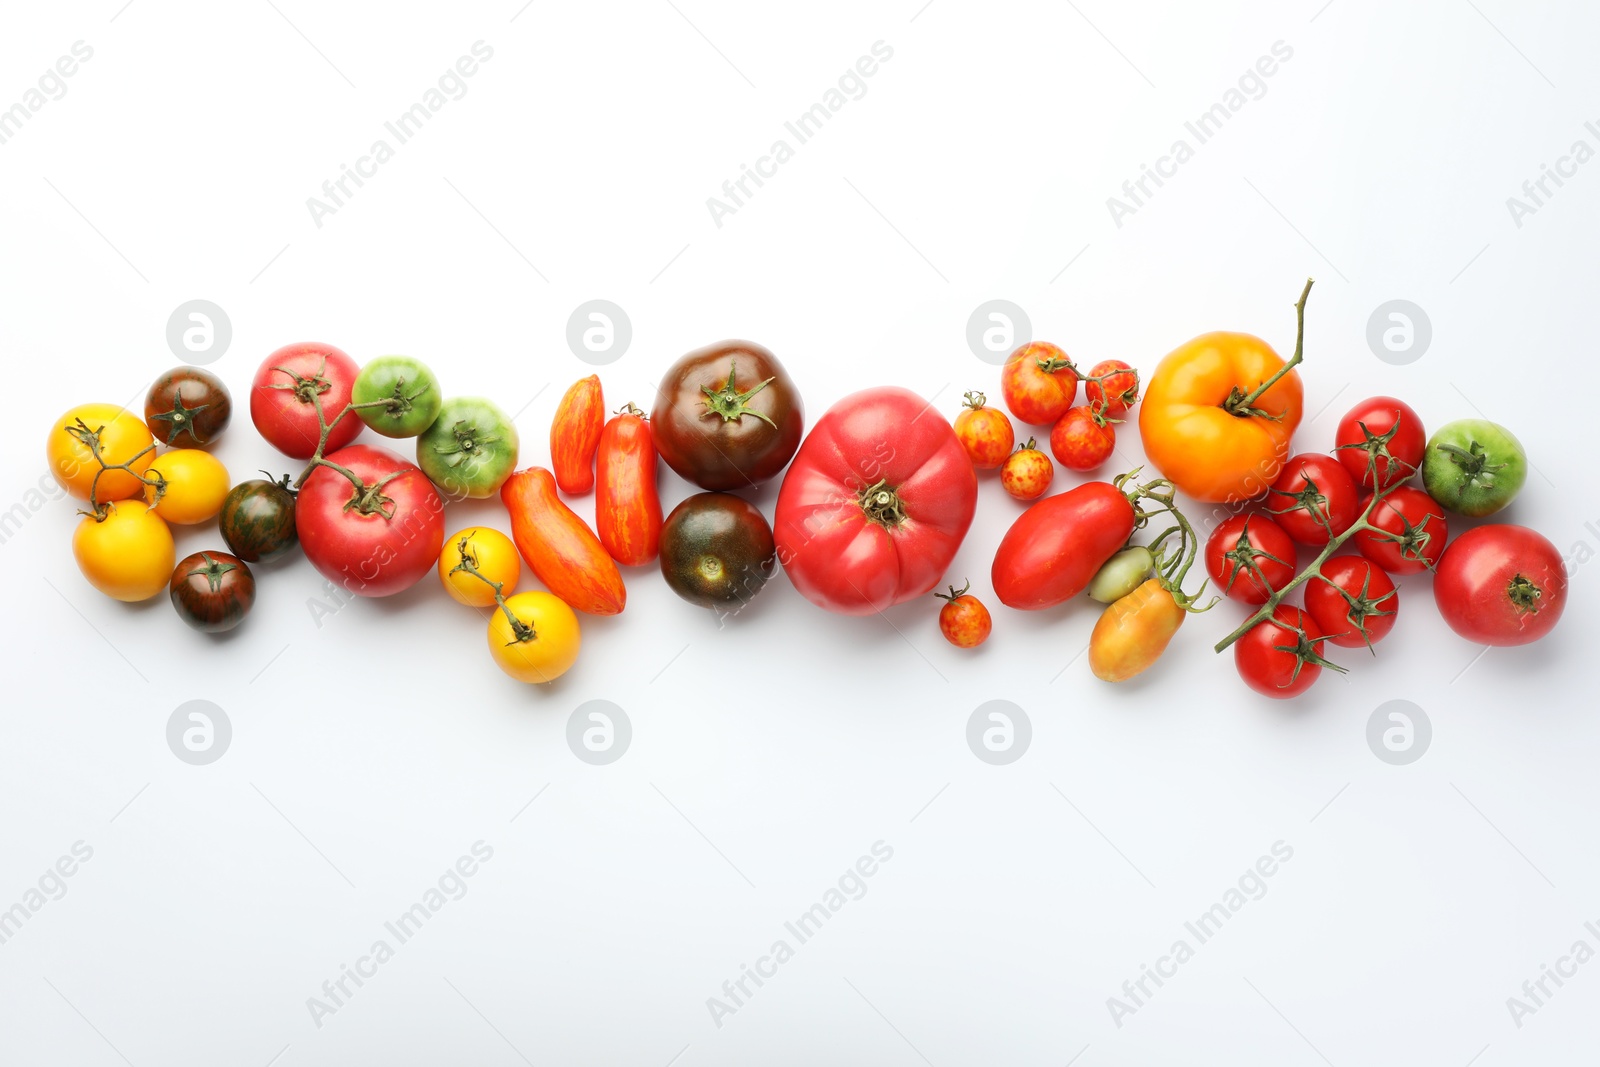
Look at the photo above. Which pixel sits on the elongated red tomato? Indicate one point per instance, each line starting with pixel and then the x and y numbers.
pixel 575 434
pixel 559 547
pixel 627 507
pixel 875 503
pixel 1058 544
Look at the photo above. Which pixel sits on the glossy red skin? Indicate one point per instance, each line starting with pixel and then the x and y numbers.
pixel 559 547
pixel 627 506
pixel 1332 611
pixel 1079 443
pixel 1260 533
pixel 289 424
pixel 1471 583
pixel 1027 474
pixel 1118 393
pixel 1057 545
pixel 1033 396
pixel 1341 506
pixel 1267 669
pixel 575 434
pixel 1379 413
pixel 838 558
pixel 1422 512
pixel 368 554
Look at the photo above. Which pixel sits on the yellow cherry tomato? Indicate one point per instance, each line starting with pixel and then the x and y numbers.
pixel 129 554
pixel 544 644
pixel 118 434
pixel 1133 632
pixel 491 553
pixel 192 488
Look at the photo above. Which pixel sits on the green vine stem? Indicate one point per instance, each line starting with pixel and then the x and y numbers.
pixel 1242 405
pixel 521 632
pixel 1172 563
pixel 90 439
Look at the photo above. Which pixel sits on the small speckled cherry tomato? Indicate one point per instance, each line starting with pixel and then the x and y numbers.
pixel 963 620
pixel 1027 472
pixel 1112 386
pixel 985 433
pixel 1082 439
pixel 1038 383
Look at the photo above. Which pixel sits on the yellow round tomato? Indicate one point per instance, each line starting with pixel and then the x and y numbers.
pixel 192 488
pixel 491 553
pixel 129 554
pixel 548 644
pixel 119 435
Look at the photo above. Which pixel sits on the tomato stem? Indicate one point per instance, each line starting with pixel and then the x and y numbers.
pixel 1242 405
pixel 729 402
pixel 521 632
pixel 90 439
pixel 882 504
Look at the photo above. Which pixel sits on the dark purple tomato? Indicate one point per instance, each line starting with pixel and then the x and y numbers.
pixel 212 591
pixel 257 520
pixel 187 408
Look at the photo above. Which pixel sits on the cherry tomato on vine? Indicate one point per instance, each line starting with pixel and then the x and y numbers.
pixel 1112 386
pixel 1314 499
pixel 119 436
pixel 1353 601
pixel 1039 383
pixel 289 386
pixel 1027 472
pixel 1250 557
pixel 187 407
pixel 1082 439
pixel 404 393
pixel 985 433
pixel 190 486
pixel 128 554
pixel 1501 585
pixel 1380 441
pixel 374 539
pixel 1281 657
pixel 963 619
pixel 488 552
pixel 212 591
pixel 1411 531
pixel 542 644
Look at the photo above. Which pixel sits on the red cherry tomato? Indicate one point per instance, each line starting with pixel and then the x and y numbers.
pixel 1353 601
pixel 985 433
pixel 1380 436
pixel 1027 472
pixel 1314 499
pixel 1281 657
pixel 377 539
pixel 1112 386
pixel 287 389
pixel 1039 383
pixel 1082 439
pixel 964 620
pixel 1249 558
pixel 1413 528
pixel 1501 585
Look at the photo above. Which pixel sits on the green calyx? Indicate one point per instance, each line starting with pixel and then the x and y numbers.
pixel 726 400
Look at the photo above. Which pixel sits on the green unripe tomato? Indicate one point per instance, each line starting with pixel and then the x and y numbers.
pixel 1121 574
pixel 470 449
pixel 1474 467
pixel 409 389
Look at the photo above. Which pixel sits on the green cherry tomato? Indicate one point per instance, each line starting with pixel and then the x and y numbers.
pixel 1474 467
pixel 1121 574
pixel 469 450
pixel 409 393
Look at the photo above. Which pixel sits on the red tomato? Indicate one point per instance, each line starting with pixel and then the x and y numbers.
pixel 1027 472
pixel 559 547
pixel 985 433
pixel 1039 383
pixel 1353 601
pixel 1501 585
pixel 1249 557
pixel 1112 386
pixel 875 503
pixel 627 507
pixel 375 540
pixel 1058 544
pixel 963 620
pixel 1314 499
pixel 288 387
pixel 1082 439
pixel 1281 657
pixel 575 434
pixel 1382 436
pixel 1415 527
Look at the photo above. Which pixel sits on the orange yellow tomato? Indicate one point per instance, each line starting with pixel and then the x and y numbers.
pixel 127 555
pixel 120 436
pixel 547 644
pixel 1132 632
pixel 189 486
pixel 490 553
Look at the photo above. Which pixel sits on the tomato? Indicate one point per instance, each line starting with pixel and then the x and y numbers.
pixel 289 388
pixel 128 554
pixel 1053 549
pixel 1281 657
pixel 377 539
pixel 187 408
pixel 984 432
pixel 486 552
pixel 1249 557
pixel 1411 531
pixel 964 620
pixel 575 434
pixel 190 485
pixel 1112 387
pixel 470 450
pixel 876 503
pixel 727 416
pixel 212 591
pixel 1082 439
pixel 1501 585
pixel 257 520
pixel 1027 473
pixel 1353 601
pixel 542 644
pixel 1039 383
pixel 1314 499
pixel 717 551
pixel 396 396
pixel 1131 633
pixel 627 507
pixel 117 435
pixel 1121 574
pixel 1379 441
pixel 1474 467
pixel 559 547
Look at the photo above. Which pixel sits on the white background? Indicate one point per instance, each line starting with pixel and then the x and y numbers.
pixel 372 751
